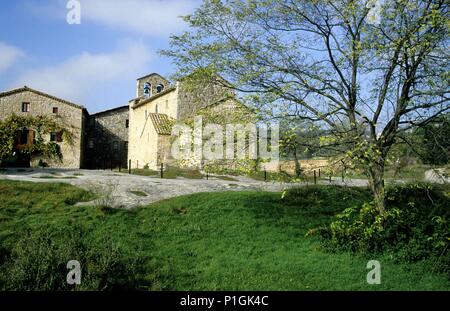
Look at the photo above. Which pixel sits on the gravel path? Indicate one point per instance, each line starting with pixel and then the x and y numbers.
pixel 116 189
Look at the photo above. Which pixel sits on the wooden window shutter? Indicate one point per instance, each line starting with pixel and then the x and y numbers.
pixel 31 136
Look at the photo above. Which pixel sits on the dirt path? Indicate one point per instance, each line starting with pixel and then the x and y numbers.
pixel 121 190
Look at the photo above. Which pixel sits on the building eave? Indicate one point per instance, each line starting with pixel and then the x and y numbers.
pixel 110 110
pixel 26 88
pixel 137 102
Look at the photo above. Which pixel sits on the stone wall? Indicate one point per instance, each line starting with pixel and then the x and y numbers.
pixel 70 116
pixel 165 103
pixel 106 143
pixel 193 98
pixel 143 146
pixel 154 80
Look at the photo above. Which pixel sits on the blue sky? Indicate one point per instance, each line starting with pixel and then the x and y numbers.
pixel 96 63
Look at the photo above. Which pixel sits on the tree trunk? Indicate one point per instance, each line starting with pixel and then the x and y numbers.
pixel 376 182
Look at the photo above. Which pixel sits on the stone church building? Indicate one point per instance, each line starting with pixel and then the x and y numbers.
pixel 139 132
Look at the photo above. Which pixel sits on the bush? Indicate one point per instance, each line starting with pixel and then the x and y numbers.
pixel 320 196
pixel 415 226
pixel 38 262
pixel 42 163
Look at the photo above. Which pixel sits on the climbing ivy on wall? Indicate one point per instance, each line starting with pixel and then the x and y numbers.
pixel 42 126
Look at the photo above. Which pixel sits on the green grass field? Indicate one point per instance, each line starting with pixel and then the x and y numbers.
pixel 211 241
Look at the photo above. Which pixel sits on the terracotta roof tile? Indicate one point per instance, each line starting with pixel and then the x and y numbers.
pixel 162 123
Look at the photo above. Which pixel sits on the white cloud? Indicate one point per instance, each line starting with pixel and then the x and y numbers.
pixel 148 17
pixel 8 56
pixel 155 18
pixel 85 74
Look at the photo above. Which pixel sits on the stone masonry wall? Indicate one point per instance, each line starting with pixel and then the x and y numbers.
pixel 154 80
pixel 192 99
pixel 69 116
pixel 107 138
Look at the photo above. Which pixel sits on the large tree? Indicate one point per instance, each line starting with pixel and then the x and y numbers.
pixel 364 70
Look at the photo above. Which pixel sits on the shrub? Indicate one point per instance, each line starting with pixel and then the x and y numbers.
pixel 38 262
pixel 42 163
pixel 320 196
pixel 415 226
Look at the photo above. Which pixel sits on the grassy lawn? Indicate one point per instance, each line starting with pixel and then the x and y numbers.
pixel 214 241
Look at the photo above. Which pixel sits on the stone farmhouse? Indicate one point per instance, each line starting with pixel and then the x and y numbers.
pixel 139 132
pixel 26 101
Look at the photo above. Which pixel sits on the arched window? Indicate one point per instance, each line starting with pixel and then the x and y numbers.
pixel 147 89
pixel 159 88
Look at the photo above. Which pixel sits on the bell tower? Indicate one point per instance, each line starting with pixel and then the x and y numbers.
pixel 151 85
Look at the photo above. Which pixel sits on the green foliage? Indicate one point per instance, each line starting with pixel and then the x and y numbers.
pixel 428 144
pixel 237 114
pixel 208 241
pixel 268 50
pixel 243 167
pixel 38 262
pixel 337 197
pixel 416 225
pixel 42 125
pixel 42 164
pixel 435 141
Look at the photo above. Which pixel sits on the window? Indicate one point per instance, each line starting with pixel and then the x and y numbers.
pixel 91 144
pixel 25 107
pixel 26 137
pixel 55 110
pixel 167 104
pixel 23 137
pixel 159 88
pixel 56 137
pixel 156 108
pixel 127 123
pixel 147 89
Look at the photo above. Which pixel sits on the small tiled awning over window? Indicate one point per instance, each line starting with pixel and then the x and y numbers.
pixel 162 123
